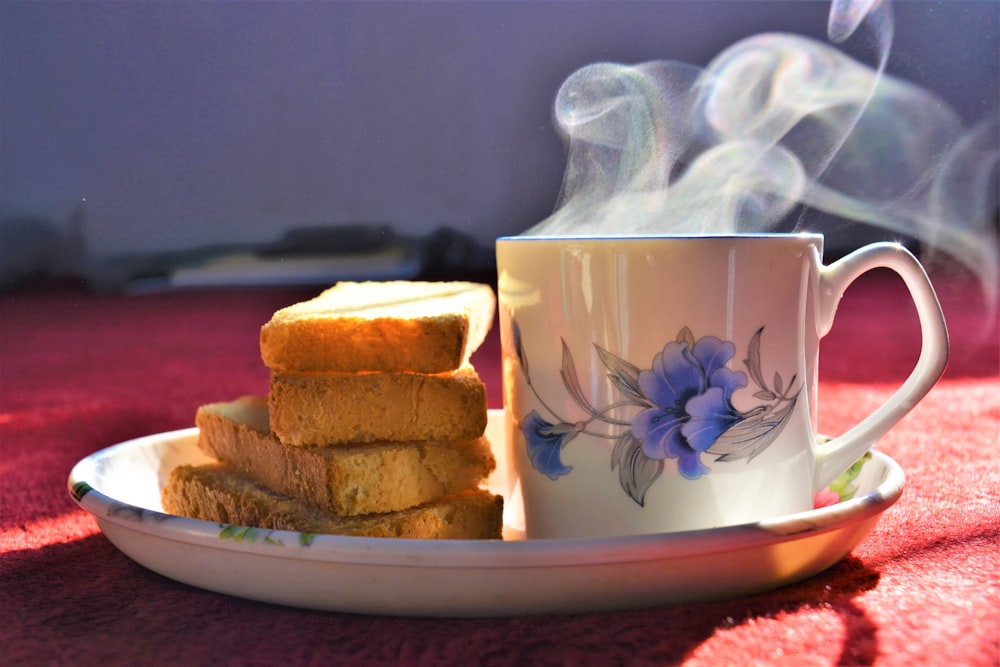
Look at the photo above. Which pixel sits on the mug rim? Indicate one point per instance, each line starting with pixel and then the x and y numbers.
pixel 784 236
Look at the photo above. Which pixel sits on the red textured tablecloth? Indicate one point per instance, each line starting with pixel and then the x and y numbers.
pixel 81 371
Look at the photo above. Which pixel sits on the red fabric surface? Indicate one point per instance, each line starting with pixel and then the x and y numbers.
pixel 81 371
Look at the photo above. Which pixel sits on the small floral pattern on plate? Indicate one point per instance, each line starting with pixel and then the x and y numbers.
pixel 236 533
pixel 844 487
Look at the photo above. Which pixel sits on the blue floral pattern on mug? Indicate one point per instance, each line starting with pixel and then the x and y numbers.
pixel 682 409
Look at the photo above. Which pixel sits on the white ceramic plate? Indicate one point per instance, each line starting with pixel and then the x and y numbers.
pixel 121 486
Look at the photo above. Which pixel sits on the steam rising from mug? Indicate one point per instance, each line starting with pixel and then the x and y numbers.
pixel 777 126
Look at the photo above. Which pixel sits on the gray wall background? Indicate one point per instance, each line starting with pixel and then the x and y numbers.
pixel 166 126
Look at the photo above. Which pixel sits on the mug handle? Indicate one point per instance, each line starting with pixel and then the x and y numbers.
pixel 837 455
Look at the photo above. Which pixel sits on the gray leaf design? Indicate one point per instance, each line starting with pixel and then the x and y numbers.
pixel 624 375
pixel 753 434
pixel 685 336
pixel 752 361
pixel 522 358
pixel 570 381
pixel 636 471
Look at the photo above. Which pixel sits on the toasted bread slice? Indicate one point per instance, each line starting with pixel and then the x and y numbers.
pixel 389 327
pixel 345 480
pixel 213 492
pixel 339 408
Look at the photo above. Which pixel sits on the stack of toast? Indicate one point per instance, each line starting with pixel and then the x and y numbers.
pixel 373 424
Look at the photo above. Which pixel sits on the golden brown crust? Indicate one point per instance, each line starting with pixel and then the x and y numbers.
pixel 336 408
pixel 390 327
pixel 380 370
pixel 213 492
pixel 343 480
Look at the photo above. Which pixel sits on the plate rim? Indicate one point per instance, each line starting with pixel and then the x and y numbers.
pixel 480 554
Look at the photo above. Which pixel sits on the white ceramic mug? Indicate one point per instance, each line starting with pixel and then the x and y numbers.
pixel 660 384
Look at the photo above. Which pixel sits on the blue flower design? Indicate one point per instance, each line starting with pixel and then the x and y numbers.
pixel 681 408
pixel 691 390
pixel 545 442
